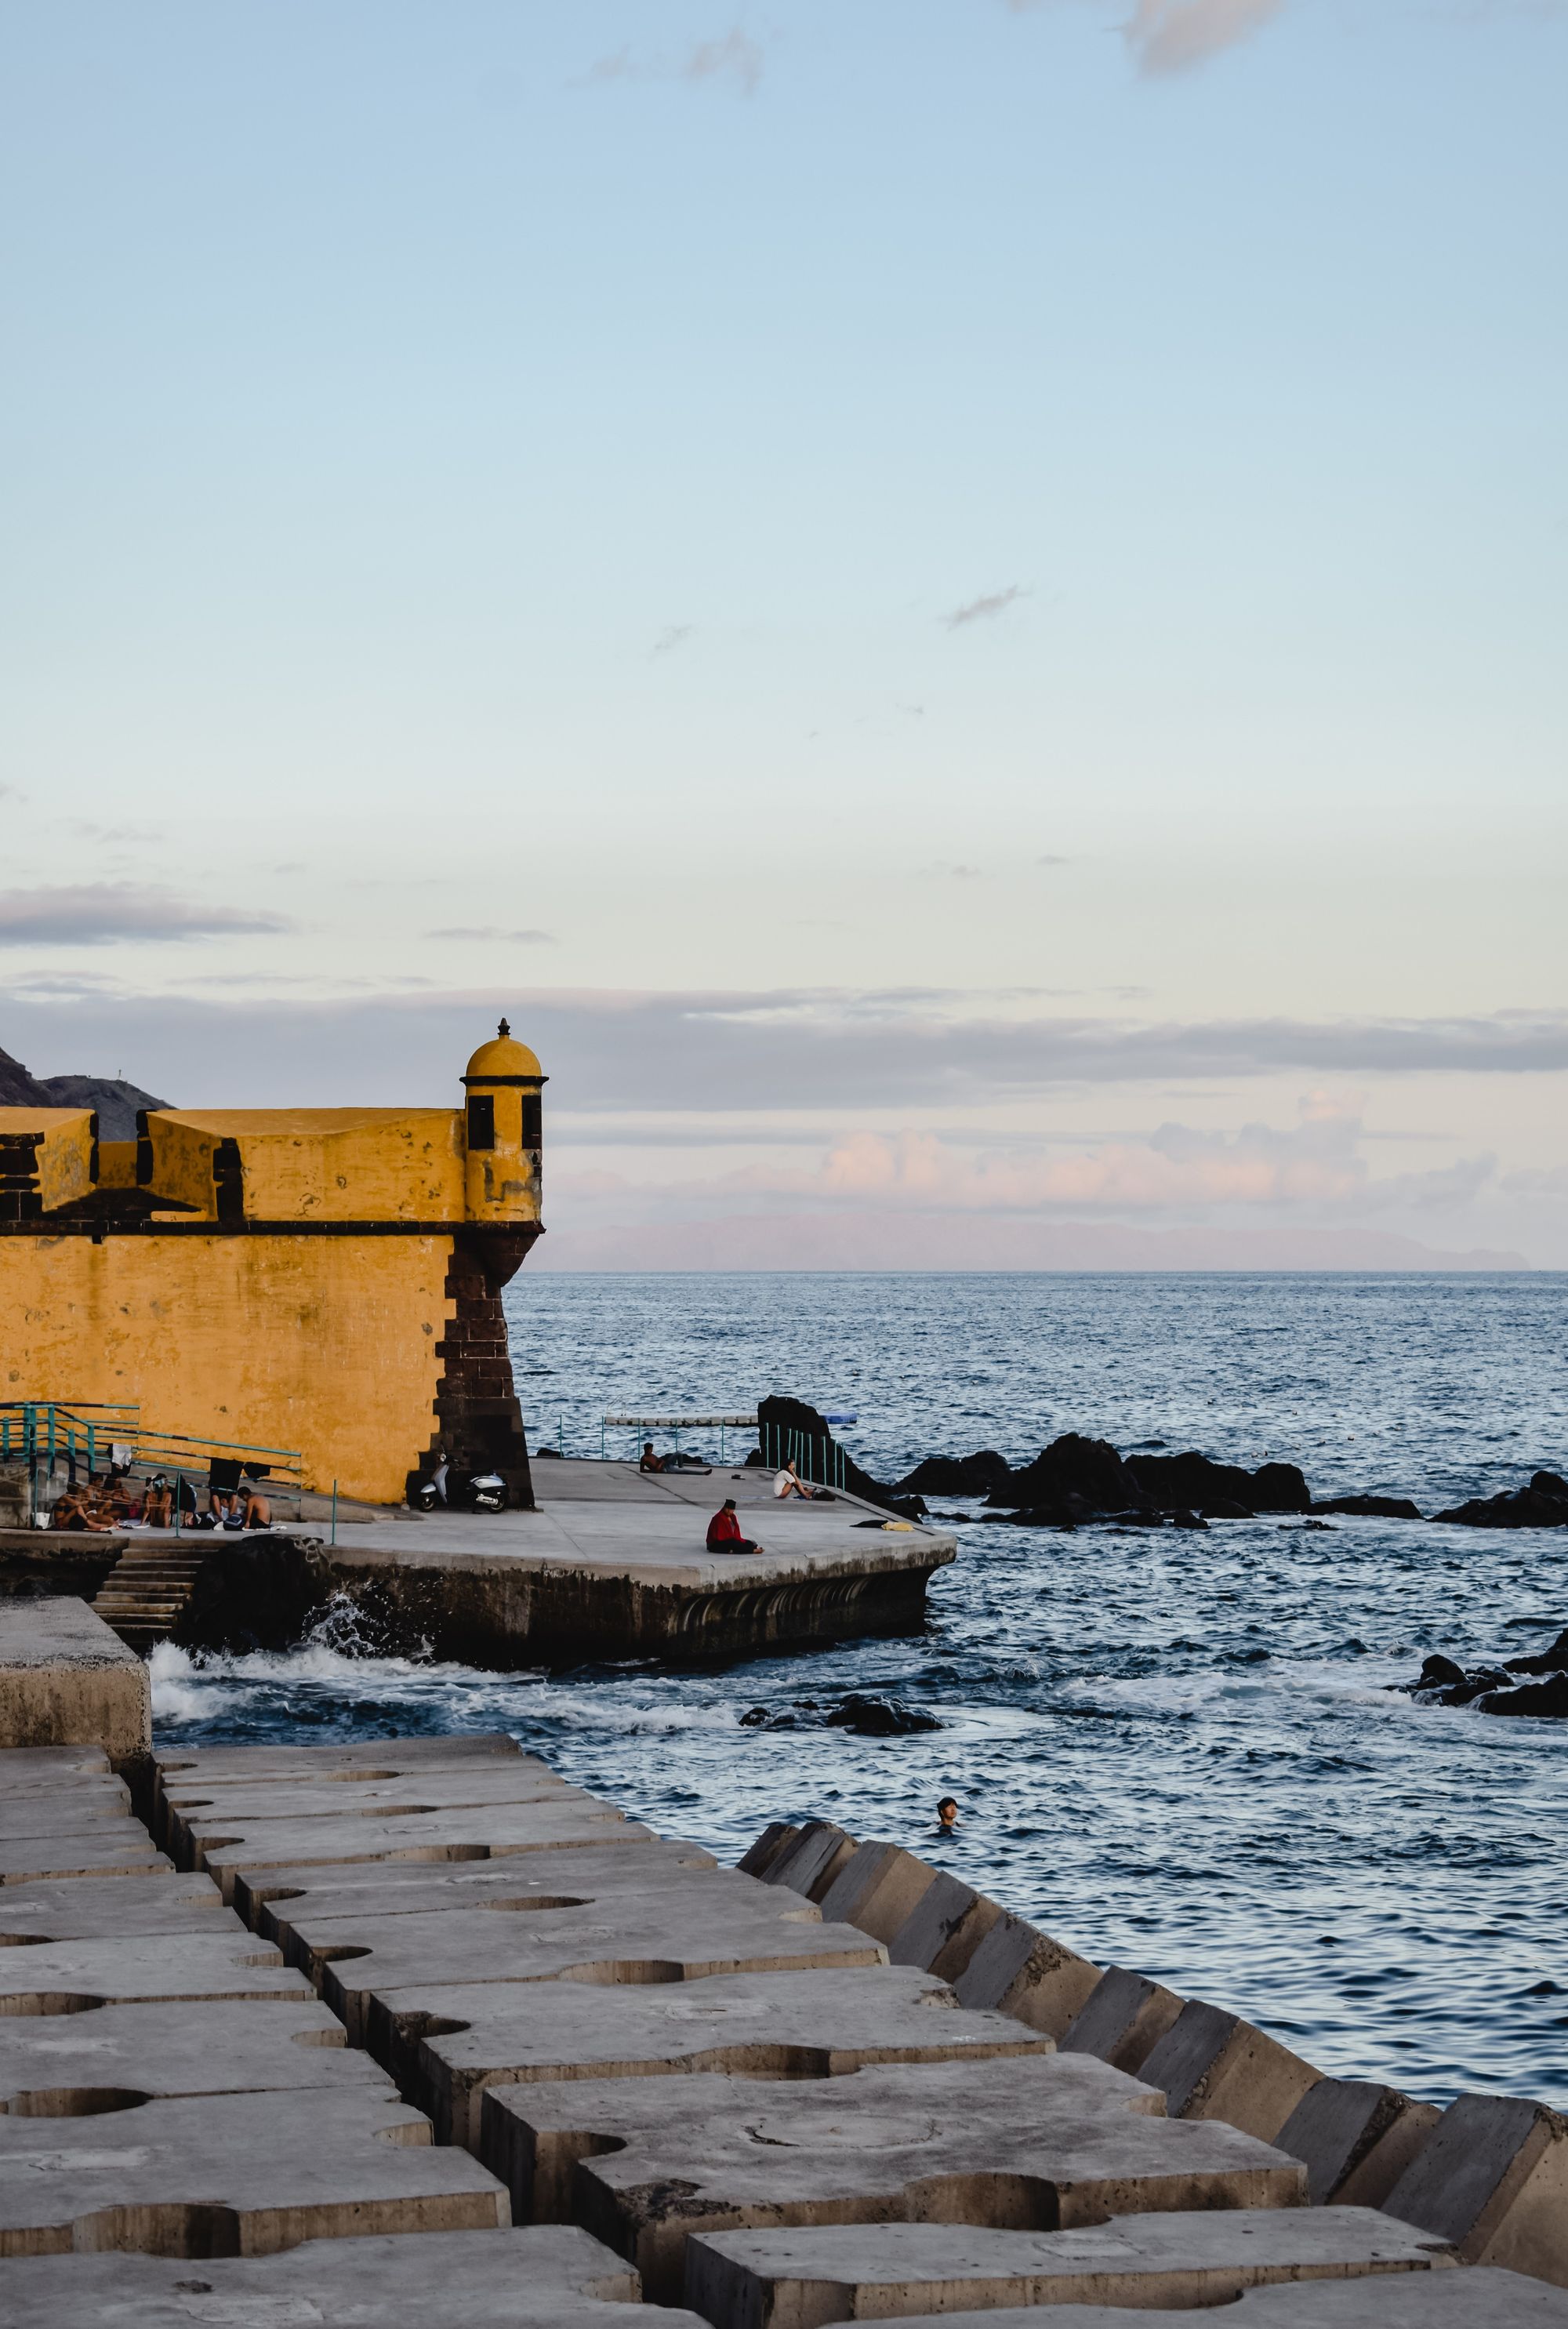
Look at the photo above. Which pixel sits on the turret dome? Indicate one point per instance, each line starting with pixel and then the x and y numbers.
pixel 504 1060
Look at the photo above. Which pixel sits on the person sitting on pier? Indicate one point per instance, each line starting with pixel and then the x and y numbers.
pixel 789 1482
pixel 650 1463
pixel 724 1531
pixel 70 1511
pixel 258 1511
pixel 158 1506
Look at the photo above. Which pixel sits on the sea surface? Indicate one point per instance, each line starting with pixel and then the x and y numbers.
pixel 1179 1752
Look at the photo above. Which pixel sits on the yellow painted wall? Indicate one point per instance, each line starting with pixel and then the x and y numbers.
pixel 326 1345
pixel 323 1164
pixel 64 1153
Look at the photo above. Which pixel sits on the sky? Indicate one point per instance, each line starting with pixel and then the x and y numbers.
pixel 956 608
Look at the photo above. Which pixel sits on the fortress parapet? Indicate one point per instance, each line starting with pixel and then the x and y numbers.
pixel 322 1278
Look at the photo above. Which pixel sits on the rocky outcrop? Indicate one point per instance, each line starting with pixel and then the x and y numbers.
pixel 1544 1504
pixel 1215 1489
pixel 1371 1508
pixel 778 1418
pixel 1077 1479
pixel 957 1476
pixel 1497 1689
pixel 115 1100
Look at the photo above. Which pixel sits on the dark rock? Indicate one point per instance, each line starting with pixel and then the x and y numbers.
pixel 1551 1661
pixel 1198 1483
pixel 1191 1520
pixel 1548 1699
pixel 17 1088
pixel 1439 1673
pixel 1371 1508
pixel 878 1718
pixel 956 1475
pixel 1073 1466
pixel 1221 1508
pixel 825 1460
pixel 1544 1504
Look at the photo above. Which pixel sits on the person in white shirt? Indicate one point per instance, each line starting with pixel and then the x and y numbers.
pixel 789 1482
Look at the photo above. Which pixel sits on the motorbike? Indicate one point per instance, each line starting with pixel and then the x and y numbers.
pixel 474 1492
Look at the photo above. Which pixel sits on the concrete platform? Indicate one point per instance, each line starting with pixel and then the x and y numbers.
pixel 109 1908
pixel 73 1811
pixel 190 1813
pixel 67 1680
pixel 144 1969
pixel 243 2175
pixel 762 2026
pixel 803 2280
pixel 612 1564
pixel 362 1963
pixel 497 1832
pixel 545 2276
pixel 1447 2300
pixel 53 2068
pixel 357 1758
pixel 1032 2145
pixel 573 1877
pixel 112 1848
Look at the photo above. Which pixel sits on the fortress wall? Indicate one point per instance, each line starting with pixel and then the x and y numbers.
pixel 325 1344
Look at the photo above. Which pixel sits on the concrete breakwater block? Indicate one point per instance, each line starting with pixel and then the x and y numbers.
pixel 1123 2020
pixel 861 2272
pixel 762 2026
pixel 1022 2143
pixel 234 2175
pixel 66 1679
pixel 1211 2064
pixel 49 1767
pixel 878 1888
pixel 760 1857
pixel 549 2275
pixel 71 1811
pixel 575 1877
pixel 1355 2139
pixel 362 1963
pixel 810 1860
pixel 106 1848
pixel 355 1757
pixel 1443 2300
pixel 109 1908
pixel 1492 2177
pixel 945 1927
pixel 141 1970
pixel 60 2068
pixel 190 1813
pixel 1024 1972
pixel 225 1847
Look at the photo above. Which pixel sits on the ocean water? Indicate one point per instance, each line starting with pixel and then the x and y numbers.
pixel 1179 1752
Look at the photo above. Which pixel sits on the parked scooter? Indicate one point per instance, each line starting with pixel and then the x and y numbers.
pixel 474 1492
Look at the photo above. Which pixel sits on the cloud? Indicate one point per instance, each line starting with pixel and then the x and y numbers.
pixel 1169 36
pixel 1053 861
pixel 983 609
pixel 779 1052
pixel 732 61
pixel 509 937
pixel 109 912
pixel 674 634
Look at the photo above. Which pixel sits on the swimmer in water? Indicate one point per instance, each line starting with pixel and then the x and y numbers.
pixel 946 1816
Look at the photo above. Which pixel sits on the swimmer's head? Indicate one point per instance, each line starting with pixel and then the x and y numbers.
pixel 947 1811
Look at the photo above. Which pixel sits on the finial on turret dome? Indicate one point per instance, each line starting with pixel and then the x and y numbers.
pixel 502 1030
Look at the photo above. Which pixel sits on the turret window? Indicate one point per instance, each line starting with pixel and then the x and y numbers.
pixel 482 1120
pixel 531 1126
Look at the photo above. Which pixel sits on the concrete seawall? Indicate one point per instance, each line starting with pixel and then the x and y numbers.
pixel 612 1564
pixel 412 2030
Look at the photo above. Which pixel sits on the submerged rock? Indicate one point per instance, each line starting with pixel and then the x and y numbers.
pixel 1496 1690
pixel 1544 1504
pixel 1549 1698
pixel 878 1718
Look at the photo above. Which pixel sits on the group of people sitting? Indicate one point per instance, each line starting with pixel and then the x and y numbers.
pixel 724 1530
pixel 232 1503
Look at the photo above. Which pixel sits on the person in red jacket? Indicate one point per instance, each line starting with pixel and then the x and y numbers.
pixel 724 1531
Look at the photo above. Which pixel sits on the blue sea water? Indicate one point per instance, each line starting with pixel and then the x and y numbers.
pixel 1178 1752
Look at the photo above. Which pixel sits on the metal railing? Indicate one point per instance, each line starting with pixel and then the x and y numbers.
pixel 822 1462
pixel 640 1425
pixel 48 1434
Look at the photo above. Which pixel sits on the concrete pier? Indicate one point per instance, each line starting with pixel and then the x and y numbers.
pixel 612 1563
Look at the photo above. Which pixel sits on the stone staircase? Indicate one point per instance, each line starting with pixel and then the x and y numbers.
pixel 148 1591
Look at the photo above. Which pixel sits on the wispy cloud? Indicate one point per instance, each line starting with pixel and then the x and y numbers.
pixel 109 912
pixel 673 635
pixel 983 608
pixel 1169 36
pixel 507 938
pixel 732 61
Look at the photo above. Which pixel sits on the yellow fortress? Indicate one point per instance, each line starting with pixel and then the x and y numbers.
pixel 320 1279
